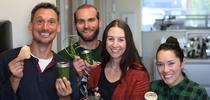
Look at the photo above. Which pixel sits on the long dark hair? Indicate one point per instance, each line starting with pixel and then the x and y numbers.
pixel 173 45
pixel 130 59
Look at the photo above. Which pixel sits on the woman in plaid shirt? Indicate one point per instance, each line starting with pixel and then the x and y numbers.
pixel 174 84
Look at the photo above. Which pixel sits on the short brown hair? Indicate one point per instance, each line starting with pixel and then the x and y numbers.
pixel 45 5
pixel 85 6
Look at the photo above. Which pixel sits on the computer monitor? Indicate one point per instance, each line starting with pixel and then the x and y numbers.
pixel 5 35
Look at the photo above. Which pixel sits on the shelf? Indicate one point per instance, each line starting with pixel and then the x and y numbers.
pixel 197 61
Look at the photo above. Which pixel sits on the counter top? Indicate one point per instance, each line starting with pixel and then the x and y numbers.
pixel 197 61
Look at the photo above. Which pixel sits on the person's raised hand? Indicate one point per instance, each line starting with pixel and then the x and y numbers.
pixel 63 87
pixel 79 65
pixel 16 67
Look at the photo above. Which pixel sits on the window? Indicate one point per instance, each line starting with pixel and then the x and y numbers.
pixel 192 13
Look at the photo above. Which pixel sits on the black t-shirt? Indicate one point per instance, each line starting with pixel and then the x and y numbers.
pixel 106 88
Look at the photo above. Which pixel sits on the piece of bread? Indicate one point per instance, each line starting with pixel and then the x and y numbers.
pixel 25 52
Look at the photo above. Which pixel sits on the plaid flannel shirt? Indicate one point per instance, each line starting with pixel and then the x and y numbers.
pixel 185 90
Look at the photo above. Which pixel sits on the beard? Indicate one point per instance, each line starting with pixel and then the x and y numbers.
pixel 90 38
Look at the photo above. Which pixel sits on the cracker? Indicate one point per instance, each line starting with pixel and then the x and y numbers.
pixel 25 52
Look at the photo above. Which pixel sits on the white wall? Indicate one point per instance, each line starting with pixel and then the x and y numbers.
pixel 132 10
pixel 18 12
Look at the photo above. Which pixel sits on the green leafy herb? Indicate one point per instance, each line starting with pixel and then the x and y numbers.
pixel 72 51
